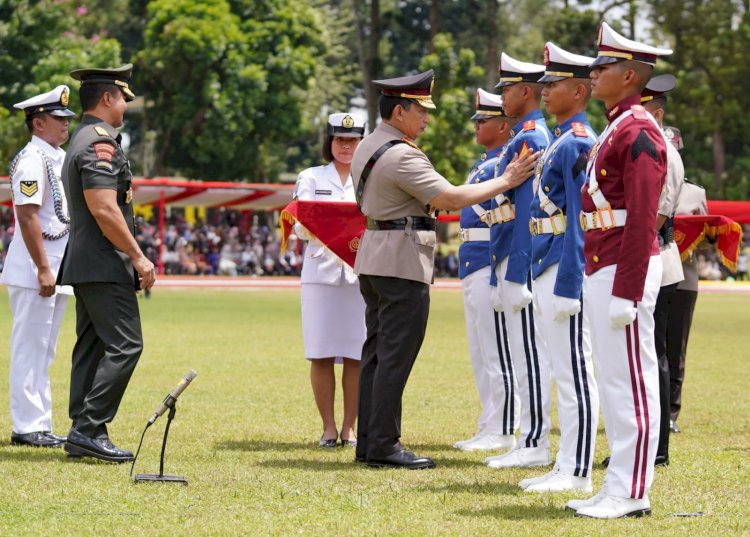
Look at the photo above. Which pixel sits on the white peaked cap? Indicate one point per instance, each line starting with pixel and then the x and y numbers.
pixel 346 125
pixel 561 64
pixel 513 71
pixel 53 102
pixel 488 105
pixel 614 47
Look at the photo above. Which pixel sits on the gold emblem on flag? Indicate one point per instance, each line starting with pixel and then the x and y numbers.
pixel 354 244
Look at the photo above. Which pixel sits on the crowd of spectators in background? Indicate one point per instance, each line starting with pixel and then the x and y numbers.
pixel 233 243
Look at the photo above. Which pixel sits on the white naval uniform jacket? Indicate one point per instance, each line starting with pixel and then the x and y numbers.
pixel 322 183
pixel 30 187
pixel 670 253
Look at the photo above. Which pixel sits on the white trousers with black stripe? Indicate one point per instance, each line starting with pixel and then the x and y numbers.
pixel 531 367
pixel 628 379
pixel 493 370
pixel 569 351
pixel 33 340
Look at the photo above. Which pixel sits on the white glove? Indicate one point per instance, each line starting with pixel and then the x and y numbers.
pixel 301 232
pixel 519 295
pixel 496 299
pixel 621 312
pixel 563 307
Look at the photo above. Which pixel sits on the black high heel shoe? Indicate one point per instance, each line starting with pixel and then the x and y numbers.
pixel 328 442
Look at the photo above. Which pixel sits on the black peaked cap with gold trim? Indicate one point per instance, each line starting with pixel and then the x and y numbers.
pixel 417 88
pixel 657 87
pixel 119 76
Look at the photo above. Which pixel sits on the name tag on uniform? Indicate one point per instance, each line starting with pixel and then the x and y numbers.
pixel 323 192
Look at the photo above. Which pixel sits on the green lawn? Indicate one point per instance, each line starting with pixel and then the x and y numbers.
pixel 246 432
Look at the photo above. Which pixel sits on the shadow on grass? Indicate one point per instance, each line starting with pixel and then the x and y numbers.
pixel 260 444
pixel 32 454
pixel 518 512
pixel 493 488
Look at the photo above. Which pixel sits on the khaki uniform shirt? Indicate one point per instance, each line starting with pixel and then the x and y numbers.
pixel 692 200
pixel 401 184
pixel 670 254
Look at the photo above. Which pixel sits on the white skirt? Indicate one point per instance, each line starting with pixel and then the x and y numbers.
pixel 333 321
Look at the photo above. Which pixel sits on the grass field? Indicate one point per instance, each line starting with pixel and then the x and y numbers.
pixel 246 432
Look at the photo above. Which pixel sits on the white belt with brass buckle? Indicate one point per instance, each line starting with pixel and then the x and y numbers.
pixel 555 225
pixel 603 219
pixel 504 213
pixel 473 234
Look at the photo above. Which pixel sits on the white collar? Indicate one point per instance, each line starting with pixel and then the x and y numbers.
pixel 57 155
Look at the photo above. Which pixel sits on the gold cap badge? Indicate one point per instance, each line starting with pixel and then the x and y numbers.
pixel 347 122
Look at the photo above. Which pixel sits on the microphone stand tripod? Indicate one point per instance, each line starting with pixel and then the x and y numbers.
pixel 160 477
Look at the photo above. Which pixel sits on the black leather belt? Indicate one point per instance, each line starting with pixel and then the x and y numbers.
pixel 418 223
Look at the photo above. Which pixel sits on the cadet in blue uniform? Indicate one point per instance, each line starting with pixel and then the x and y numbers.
pixel 493 369
pixel 510 256
pixel 557 269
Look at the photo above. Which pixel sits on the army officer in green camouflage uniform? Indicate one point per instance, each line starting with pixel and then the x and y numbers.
pixel 103 263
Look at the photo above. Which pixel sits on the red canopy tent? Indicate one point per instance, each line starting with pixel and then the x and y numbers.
pixel 166 191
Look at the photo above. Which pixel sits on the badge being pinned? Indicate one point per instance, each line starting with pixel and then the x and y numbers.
pixel 29 188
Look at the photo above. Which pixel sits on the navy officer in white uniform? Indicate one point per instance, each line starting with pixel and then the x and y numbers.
pixel 485 328
pixel 333 310
pixel 557 265
pixel 31 267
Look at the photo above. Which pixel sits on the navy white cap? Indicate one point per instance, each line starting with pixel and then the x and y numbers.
pixel 657 87
pixel 488 105
pixel 119 76
pixel 417 88
pixel 53 102
pixel 513 71
pixel 346 125
pixel 561 64
pixel 614 47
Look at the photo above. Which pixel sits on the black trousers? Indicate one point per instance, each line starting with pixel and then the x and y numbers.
pixel 396 317
pixel 108 327
pixel 681 309
pixel 661 323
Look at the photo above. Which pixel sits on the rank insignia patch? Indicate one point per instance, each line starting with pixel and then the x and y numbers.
pixel 524 149
pixel 104 151
pixel 29 188
pixel 101 131
pixel 579 130
pixel 529 125
pixel 103 164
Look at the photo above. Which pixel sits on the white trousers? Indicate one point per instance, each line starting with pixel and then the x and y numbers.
pixel 569 352
pixel 33 339
pixel 490 361
pixel 628 378
pixel 530 365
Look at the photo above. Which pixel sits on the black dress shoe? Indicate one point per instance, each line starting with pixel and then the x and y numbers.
pixel 35 439
pixel 673 427
pixel 360 458
pixel 661 460
pixel 53 436
pixel 402 459
pixel 79 445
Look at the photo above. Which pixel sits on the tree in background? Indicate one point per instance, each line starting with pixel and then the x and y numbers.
pixel 448 140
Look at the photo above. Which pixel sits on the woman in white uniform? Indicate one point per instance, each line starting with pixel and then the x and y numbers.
pixel 333 311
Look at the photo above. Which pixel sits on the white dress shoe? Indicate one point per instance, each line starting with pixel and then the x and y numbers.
pixel 526 483
pixel 616 507
pixel 521 457
pixel 561 482
pixel 460 443
pixel 575 505
pixel 488 442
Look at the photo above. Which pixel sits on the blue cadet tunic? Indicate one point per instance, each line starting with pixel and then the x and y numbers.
pixel 506 238
pixel 560 176
pixel 472 255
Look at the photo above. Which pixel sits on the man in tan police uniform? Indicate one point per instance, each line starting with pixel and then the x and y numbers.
pixel 398 189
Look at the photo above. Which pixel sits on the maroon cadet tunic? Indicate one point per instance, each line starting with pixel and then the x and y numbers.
pixel 630 168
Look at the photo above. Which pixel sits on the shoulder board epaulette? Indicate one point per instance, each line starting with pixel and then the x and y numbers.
pixel 529 125
pixel 409 142
pixel 101 131
pixel 580 130
pixel 639 112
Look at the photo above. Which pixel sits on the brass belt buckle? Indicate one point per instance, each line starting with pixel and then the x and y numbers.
pixel 555 229
pixel 600 216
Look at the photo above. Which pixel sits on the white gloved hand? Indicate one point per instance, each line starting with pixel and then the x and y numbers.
pixel 564 307
pixel 518 294
pixel 301 232
pixel 496 299
pixel 621 312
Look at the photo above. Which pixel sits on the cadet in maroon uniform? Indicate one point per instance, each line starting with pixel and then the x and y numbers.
pixel 625 175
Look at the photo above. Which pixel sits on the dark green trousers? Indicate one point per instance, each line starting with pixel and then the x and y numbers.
pixel 108 327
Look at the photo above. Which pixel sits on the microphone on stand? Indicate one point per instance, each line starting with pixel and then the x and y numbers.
pixel 170 399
